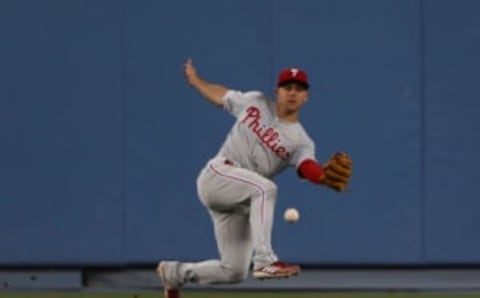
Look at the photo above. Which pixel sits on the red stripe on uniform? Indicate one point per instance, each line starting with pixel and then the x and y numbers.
pixel 255 185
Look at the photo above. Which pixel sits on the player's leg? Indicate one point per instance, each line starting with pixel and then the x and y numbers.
pixel 232 232
pixel 262 211
pixel 225 189
pixel 229 186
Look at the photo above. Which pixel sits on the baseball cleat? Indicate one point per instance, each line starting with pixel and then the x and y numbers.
pixel 277 269
pixel 168 290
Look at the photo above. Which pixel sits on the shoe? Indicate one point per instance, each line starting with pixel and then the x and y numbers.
pixel 168 290
pixel 277 269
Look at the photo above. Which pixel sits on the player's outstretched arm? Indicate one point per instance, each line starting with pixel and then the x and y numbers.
pixel 212 92
pixel 334 174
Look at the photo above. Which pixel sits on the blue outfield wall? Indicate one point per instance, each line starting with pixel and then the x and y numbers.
pixel 102 140
pixel 452 125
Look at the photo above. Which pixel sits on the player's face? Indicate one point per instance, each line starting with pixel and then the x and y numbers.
pixel 291 97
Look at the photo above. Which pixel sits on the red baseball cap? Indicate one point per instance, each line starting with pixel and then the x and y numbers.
pixel 293 75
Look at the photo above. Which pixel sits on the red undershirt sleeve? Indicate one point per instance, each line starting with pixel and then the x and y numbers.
pixel 312 171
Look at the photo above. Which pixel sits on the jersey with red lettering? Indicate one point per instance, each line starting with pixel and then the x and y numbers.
pixel 259 140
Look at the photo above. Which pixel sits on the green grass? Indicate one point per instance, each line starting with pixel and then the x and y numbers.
pixel 224 294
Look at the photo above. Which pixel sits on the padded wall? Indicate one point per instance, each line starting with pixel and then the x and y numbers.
pixel 102 140
pixel 61 116
pixel 452 44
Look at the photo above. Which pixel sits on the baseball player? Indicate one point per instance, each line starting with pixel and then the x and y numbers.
pixel 236 187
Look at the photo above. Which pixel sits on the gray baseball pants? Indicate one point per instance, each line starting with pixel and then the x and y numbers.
pixel 241 204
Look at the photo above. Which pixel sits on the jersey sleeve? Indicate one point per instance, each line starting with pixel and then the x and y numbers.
pixel 305 150
pixel 235 101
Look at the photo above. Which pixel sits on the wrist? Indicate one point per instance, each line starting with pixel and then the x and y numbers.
pixel 194 81
pixel 312 171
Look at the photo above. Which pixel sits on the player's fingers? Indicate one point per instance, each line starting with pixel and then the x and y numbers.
pixel 343 159
pixel 346 162
pixel 331 175
pixel 189 68
pixel 187 65
pixel 336 185
pixel 340 169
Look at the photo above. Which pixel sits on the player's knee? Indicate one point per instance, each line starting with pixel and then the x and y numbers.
pixel 270 189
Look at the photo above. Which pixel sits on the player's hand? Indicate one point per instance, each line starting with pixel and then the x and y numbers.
pixel 338 171
pixel 190 72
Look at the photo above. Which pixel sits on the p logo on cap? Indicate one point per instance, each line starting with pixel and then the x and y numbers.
pixel 293 75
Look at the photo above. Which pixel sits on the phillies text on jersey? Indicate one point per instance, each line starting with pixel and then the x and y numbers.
pixel 259 140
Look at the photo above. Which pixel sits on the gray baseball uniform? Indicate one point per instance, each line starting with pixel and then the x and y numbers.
pixel 236 188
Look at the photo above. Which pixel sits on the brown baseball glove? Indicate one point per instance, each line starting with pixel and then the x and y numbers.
pixel 338 170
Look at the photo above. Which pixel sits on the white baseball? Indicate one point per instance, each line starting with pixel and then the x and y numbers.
pixel 291 215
